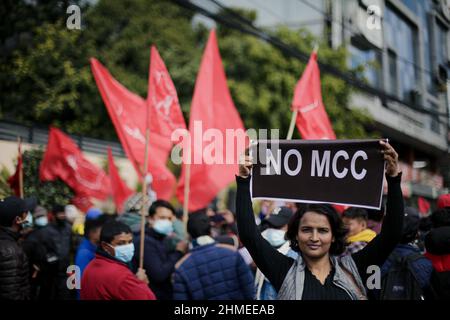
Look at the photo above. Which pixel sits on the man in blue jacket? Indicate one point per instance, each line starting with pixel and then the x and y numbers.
pixel 86 249
pixel 159 255
pixel 211 271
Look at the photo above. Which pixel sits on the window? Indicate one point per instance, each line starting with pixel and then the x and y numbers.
pixel 434 123
pixel 423 7
pixel 393 79
pixel 402 39
pixel 441 44
pixel 412 5
pixel 369 59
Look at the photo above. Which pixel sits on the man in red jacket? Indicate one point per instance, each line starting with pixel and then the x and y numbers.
pixel 108 276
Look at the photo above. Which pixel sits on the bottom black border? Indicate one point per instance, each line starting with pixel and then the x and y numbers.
pixel 134 310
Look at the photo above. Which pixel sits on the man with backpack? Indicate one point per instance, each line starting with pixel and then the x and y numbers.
pixel 406 273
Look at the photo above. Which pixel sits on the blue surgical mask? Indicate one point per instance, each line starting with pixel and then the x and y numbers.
pixel 41 221
pixel 124 252
pixel 274 236
pixel 163 226
pixel 28 222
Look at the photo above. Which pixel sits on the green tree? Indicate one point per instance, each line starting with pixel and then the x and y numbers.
pixel 50 82
pixel 5 190
pixel 49 192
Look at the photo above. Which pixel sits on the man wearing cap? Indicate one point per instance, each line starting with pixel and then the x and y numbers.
pixel 275 226
pixel 14 272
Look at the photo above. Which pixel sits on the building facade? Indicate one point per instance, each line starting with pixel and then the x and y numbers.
pixel 403 47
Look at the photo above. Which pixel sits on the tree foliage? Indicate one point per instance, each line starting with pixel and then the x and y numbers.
pixel 5 189
pixel 49 192
pixel 48 79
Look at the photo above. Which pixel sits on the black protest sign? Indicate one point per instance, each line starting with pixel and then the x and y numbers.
pixel 346 172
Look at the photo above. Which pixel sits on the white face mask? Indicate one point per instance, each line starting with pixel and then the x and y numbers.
pixel 274 236
pixel 124 252
pixel 163 226
pixel 41 221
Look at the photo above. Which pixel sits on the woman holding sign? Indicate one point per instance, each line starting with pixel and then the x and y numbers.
pixel 317 233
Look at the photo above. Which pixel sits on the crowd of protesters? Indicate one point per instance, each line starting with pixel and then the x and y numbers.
pixel 285 251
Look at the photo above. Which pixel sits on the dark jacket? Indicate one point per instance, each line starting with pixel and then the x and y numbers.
pixel 213 272
pixel 14 272
pixel 437 244
pixel 159 262
pixel 59 237
pixel 41 253
pixel 422 268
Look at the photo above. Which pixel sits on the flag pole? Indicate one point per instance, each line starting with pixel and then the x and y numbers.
pixel 19 141
pixel 144 200
pixel 292 125
pixel 187 182
pixel 295 112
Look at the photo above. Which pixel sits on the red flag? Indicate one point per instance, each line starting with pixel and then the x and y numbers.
pixel 424 205
pixel 64 160
pixel 162 99
pixel 15 181
pixel 128 113
pixel 340 208
pixel 212 108
pixel 312 119
pixel 82 202
pixel 120 190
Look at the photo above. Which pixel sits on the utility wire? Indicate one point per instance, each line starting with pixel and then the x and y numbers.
pixel 344 24
pixel 235 22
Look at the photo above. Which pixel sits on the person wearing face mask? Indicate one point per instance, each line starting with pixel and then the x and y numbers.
pixel 14 272
pixel 42 259
pixel 109 276
pixel 275 226
pixel 57 237
pixel 159 256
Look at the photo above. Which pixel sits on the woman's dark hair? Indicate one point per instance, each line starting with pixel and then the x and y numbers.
pixel 160 203
pixel 337 226
pixel 111 229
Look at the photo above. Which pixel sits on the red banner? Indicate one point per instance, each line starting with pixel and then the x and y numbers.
pixel 212 108
pixel 312 119
pixel 129 115
pixel 120 190
pixel 64 160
